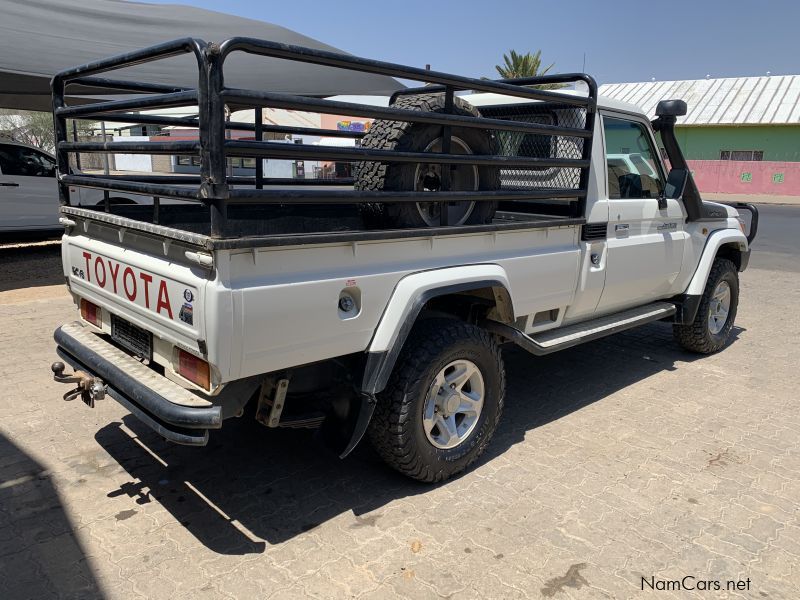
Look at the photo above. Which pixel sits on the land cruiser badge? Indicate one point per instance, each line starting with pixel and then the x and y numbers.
pixel 187 312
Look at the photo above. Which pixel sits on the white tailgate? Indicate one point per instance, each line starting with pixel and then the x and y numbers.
pixel 154 293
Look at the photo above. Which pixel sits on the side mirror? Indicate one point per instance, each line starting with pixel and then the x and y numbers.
pixel 676 183
pixel 671 108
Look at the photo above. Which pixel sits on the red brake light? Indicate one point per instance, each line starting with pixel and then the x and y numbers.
pixel 91 312
pixel 194 369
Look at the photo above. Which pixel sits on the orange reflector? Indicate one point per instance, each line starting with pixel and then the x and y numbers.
pixel 194 369
pixel 91 312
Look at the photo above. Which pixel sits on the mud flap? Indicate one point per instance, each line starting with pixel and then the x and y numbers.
pixel 347 422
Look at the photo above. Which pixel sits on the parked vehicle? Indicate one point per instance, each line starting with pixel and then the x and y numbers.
pixel 29 190
pixel 510 214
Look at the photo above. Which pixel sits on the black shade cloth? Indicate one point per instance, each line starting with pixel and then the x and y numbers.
pixel 38 38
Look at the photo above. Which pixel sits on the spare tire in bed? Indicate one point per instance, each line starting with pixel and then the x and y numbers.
pixel 419 137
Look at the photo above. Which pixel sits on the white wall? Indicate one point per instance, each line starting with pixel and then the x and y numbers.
pixel 133 162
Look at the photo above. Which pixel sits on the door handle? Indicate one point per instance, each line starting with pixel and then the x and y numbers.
pixel 8 184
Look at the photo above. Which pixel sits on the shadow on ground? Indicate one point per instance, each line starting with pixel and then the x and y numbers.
pixel 250 484
pixel 31 263
pixel 40 556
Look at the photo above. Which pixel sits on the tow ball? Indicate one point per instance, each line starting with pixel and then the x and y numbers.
pixel 89 388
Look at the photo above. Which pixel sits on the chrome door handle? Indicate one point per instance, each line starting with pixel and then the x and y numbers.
pixel 624 227
pixel 8 184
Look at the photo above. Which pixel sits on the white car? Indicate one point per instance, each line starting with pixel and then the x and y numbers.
pixel 29 192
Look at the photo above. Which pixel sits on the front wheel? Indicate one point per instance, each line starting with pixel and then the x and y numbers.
pixel 711 328
pixel 442 403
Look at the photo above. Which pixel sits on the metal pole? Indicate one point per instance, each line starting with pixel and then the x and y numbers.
pixel 445 169
pixel 75 139
pixel 228 136
pixel 259 137
pixel 586 154
pixel 106 198
pixel 60 126
pixel 214 186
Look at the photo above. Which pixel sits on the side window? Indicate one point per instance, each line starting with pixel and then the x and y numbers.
pixel 19 160
pixel 631 160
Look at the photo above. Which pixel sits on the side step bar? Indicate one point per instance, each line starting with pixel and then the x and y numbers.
pixel 572 335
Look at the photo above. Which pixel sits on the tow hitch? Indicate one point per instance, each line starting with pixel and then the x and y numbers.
pixel 89 388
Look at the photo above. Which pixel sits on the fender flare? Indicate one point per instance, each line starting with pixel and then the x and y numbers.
pixel 715 241
pixel 408 298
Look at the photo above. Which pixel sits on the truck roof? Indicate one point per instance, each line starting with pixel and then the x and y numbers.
pixel 9 142
pixel 484 99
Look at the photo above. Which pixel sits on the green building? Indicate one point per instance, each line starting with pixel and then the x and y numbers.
pixel 740 134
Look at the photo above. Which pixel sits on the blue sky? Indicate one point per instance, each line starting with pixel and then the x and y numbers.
pixel 623 40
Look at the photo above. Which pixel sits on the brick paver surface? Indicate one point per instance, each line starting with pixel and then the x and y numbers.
pixel 622 459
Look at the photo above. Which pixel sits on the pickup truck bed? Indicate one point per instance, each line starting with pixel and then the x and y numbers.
pixel 268 287
pixel 268 226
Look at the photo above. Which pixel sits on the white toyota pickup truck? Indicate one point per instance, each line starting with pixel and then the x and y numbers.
pixel 378 305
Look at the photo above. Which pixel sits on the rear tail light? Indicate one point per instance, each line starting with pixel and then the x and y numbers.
pixel 91 313
pixel 194 369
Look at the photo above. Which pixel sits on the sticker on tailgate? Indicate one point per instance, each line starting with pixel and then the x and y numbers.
pixel 143 288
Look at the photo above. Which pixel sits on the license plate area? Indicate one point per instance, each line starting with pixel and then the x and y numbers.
pixel 131 337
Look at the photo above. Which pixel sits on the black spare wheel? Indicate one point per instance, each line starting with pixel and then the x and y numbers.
pixel 419 137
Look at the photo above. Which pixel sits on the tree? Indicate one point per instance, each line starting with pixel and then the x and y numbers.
pixel 33 128
pixel 517 65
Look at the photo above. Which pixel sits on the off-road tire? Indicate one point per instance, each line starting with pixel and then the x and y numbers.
pixel 415 137
pixel 396 430
pixel 696 336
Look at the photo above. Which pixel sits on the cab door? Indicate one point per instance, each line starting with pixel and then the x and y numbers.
pixel 646 235
pixel 28 189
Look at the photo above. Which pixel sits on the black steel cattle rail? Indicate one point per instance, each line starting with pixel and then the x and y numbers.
pixel 214 187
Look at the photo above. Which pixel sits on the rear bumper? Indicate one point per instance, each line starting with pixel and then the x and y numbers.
pixel 173 412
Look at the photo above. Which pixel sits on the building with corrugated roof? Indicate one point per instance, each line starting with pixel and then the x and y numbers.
pixel 741 135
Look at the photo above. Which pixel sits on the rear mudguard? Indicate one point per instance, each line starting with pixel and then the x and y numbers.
pixel 409 297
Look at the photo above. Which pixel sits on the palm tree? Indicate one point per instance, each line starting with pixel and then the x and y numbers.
pixel 517 65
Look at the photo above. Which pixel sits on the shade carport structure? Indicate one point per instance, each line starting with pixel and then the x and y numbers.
pixel 42 37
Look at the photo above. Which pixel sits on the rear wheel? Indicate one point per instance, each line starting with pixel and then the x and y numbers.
pixel 711 328
pixel 442 403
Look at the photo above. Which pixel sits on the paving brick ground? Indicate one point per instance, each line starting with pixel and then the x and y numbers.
pixel 623 459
